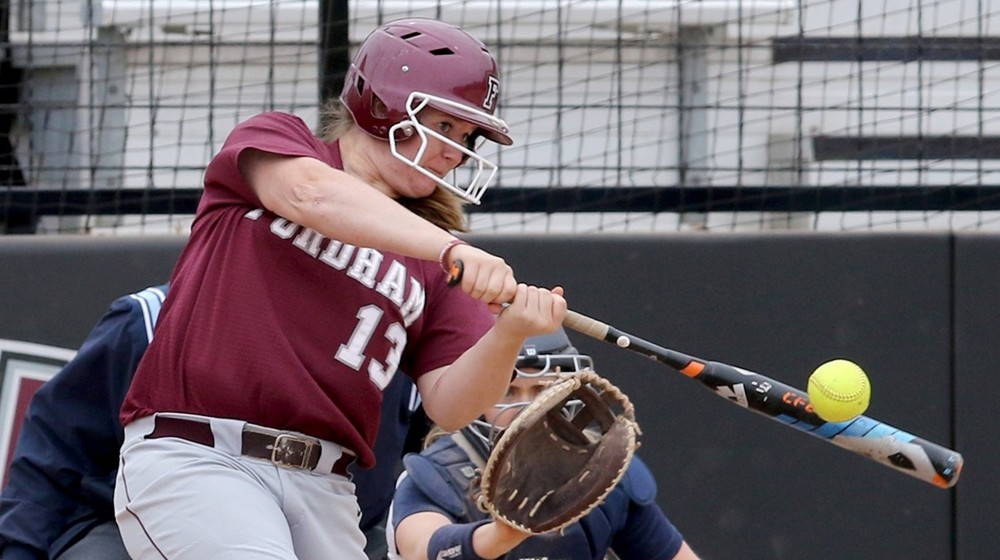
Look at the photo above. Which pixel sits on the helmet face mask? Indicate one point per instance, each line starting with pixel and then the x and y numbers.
pixel 548 365
pixel 407 65
pixel 541 359
pixel 484 171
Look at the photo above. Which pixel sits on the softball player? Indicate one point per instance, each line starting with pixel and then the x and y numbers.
pixel 311 274
pixel 58 500
pixel 434 513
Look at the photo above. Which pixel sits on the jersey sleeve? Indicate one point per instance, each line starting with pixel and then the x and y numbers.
pixel 643 531
pixel 276 133
pixel 66 457
pixel 409 499
pixel 454 322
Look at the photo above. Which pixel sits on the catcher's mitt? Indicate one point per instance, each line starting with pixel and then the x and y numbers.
pixel 554 463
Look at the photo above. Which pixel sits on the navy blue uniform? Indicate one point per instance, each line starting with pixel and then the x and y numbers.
pixel 629 522
pixel 62 476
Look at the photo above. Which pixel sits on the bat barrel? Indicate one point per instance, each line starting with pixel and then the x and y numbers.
pixel 865 436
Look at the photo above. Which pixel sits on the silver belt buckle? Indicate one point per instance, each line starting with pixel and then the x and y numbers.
pixel 292 451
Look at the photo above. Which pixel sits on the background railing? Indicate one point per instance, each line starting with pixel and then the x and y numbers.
pixel 628 115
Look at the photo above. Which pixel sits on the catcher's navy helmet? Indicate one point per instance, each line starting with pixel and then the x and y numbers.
pixel 547 352
pixel 541 356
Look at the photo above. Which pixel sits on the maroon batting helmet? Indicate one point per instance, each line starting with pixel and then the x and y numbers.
pixel 452 69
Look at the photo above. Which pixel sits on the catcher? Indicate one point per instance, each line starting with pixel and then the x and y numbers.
pixel 439 511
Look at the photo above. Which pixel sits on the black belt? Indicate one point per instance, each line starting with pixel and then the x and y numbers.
pixel 281 448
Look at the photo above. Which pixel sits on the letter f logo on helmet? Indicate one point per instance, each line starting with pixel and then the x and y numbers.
pixel 492 93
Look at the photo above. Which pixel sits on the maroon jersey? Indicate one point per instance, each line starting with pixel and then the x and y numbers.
pixel 272 323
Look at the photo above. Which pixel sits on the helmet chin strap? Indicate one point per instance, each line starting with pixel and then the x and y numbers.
pixel 484 170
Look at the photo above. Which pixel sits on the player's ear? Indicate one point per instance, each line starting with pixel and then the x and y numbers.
pixel 379 110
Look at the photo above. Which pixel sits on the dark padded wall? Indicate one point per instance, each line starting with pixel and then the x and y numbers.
pixel 738 484
pixel 977 353
pixel 53 289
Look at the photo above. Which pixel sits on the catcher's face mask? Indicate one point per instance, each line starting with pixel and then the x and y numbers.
pixel 520 393
pixel 531 376
pixel 547 364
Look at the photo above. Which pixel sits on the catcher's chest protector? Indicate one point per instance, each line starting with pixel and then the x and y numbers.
pixel 445 472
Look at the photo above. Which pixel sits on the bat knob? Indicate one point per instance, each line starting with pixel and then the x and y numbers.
pixel 455 272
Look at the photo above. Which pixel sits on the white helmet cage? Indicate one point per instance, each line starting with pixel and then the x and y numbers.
pixel 483 170
pixel 541 357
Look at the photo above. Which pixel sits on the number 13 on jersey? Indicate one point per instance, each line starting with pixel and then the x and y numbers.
pixel 352 354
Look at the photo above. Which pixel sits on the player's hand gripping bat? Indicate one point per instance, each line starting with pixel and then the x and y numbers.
pixel 865 436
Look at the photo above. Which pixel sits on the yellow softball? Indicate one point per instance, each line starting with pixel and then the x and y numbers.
pixel 839 391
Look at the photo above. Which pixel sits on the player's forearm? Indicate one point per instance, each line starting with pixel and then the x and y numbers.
pixel 337 205
pixel 474 382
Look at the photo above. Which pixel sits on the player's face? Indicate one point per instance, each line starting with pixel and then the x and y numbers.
pixel 439 158
pixel 521 392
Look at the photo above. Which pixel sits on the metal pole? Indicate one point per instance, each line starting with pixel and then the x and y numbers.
pixel 334 47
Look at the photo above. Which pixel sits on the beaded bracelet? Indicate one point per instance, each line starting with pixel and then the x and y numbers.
pixel 444 253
